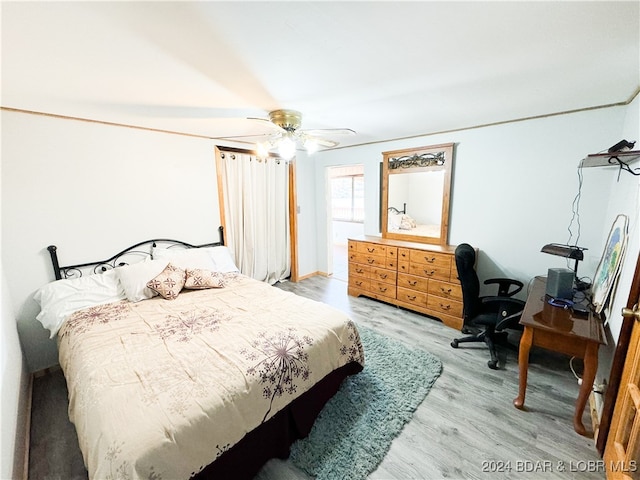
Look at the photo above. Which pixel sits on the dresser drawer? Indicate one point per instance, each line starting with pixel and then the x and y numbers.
pixel 359 270
pixel 383 275
pixel 403 266
pixel 444 305
pixel 384 289
pixel 371 248
pixel 359 283
pixel 411 296
pixel 408 275
pixel 430 258
pixel 404 254
pixel 372 260
pixel 429 271
pixel 445 289
pixel 413 282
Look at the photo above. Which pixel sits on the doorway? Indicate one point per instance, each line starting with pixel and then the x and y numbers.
pixel 345 214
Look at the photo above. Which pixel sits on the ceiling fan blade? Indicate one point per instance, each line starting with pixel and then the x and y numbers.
pixel 326 143
pixel 268 122
pixel 329 131
pixel 255 135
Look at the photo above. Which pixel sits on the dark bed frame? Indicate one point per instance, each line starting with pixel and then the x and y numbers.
pixel 118 260
pixel 272 438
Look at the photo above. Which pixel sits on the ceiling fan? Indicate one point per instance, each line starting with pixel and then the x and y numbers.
pixel 288 135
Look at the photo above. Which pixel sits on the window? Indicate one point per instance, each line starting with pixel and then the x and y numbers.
pixel 347 198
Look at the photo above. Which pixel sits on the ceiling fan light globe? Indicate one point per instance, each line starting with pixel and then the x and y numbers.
pixel 287 148
pixel 262 149
pixel 311 146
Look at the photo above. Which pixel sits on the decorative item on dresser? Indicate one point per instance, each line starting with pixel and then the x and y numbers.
pixel 416 276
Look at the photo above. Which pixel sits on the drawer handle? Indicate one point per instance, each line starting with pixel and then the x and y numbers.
pixel 430 260
pixel 383 289
pixel 445 307
pixel 445 290
pixel 413 284
pixel 371 250
pixel 358 283
pixel 429 272
pixel 383 276
pixel 359 270
pixel 371 260
pixel 404 254
pixel 411 297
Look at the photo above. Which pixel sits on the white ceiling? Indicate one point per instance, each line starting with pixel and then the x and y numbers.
pixel 384 69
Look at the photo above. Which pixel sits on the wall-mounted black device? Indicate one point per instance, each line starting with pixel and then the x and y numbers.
pixel 622 145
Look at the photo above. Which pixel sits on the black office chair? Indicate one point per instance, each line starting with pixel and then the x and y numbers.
pixel 486 317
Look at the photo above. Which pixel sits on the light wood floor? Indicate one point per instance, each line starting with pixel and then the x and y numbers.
pixel 466 427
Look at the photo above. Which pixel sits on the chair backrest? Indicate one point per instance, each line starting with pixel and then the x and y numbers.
pixel 465 256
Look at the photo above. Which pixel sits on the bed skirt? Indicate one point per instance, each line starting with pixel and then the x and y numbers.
pixel 273 438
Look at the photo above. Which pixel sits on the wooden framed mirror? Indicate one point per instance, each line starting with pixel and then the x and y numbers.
pixel 416 190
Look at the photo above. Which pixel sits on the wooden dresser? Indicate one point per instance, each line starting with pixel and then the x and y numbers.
pixel 416 276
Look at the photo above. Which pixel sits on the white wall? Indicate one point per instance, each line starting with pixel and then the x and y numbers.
pixel 93 189
pixel 13 391
pixel 306 217
pixel 624 198
pixel 513 188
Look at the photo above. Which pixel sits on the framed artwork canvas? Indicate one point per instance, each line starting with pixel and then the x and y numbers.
pixel 609 266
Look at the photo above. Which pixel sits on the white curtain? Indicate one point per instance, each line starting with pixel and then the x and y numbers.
pixel 256 200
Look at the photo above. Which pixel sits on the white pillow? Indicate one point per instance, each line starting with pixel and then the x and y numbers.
pixel 395 219
pixel 191 258
pixel 61 298
pixel 216 259
pixel 134 278
pixel 222 259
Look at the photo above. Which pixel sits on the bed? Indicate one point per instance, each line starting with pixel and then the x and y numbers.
pixel 208 378
pixel 398 221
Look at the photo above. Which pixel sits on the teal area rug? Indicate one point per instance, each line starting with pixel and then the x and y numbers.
pixel 355 429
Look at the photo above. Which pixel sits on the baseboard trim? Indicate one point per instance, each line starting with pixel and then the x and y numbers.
pixel 309 275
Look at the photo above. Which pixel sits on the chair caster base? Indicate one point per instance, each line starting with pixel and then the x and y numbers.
pixel 454 343
pixel 493 365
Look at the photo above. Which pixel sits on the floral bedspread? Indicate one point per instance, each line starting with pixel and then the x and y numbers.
pixel 160 388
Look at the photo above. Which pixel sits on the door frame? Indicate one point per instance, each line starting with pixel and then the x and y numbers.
pixel 329 214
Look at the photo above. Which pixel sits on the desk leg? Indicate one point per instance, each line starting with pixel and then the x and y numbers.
pixel 590 369
pixel 523 361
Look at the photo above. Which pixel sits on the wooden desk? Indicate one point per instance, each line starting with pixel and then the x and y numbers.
pixel 560 330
